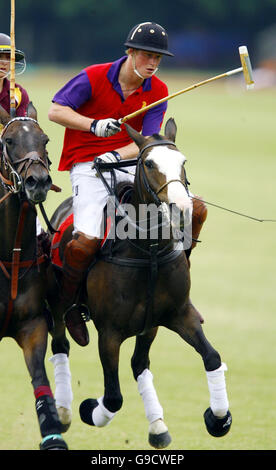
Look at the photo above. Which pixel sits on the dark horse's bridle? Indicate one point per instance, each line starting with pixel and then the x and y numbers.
pixel 14 185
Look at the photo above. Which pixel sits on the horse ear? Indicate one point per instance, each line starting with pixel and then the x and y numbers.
pixel 170 129
pixel 4 116
pixel 138 138
pixel 31 111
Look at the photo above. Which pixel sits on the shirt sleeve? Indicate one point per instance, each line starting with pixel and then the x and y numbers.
pixel 153 119
pixel 75 92
pixel 22 108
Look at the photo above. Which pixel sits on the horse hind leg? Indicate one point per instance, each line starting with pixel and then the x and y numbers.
pixel 217 417
pixel 100 412
pixel 33 341
pixel 159 437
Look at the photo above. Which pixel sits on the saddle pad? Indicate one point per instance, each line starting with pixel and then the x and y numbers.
pixel 56 240
pixel 58 235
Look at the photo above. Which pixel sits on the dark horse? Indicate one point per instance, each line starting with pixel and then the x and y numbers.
pixel 141 283
pixel 25 182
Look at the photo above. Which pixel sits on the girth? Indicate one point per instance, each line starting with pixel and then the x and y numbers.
pixel 141 262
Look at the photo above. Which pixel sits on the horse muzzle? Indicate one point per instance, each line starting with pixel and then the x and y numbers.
pixel 37 186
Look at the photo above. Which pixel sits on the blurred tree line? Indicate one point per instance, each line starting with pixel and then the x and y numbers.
pixel 87 31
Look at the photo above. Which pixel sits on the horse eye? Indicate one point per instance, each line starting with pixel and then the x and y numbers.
pixel 149 164
pixel 8 141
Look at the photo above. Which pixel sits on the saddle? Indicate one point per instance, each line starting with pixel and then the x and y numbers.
pixel 124 193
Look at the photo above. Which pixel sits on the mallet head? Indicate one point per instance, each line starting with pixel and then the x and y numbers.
pixel 246 65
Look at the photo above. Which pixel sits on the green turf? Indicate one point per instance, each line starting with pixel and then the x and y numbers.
pixel 227 135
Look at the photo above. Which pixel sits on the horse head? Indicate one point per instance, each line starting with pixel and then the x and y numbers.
pixel 161 175
pixel 25 163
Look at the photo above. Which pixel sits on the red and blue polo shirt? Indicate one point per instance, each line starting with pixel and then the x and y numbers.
pixel 96 93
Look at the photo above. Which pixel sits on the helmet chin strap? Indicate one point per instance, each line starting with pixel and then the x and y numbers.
pixel 136 71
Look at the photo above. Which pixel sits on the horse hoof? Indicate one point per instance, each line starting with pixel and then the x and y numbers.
pixel 217 427
pixel 53 442
pixel 160 441
pixel 65 417
pixel 86 408
pixel 159 437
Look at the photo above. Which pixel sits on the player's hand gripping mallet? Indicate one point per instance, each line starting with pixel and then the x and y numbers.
pixel 246 69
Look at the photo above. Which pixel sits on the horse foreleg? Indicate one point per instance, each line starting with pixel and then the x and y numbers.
pixel 217 418
pixel 60 360
pixel 100 412
pixel 159 436
pixel 63 390
pixel 33 340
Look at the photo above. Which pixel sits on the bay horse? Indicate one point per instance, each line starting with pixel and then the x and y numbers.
pixel 142 283
pixel 25 182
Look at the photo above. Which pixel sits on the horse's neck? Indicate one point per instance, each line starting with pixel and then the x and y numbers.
pixel 10 211
pixel 152 231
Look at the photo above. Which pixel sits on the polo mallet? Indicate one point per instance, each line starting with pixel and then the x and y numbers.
pixel 246 69
pixel 12 62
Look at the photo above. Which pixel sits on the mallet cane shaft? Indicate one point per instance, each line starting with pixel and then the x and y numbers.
pixel 12 61
pixel 246 69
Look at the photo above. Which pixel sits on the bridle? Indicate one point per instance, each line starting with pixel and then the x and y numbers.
pixel 14 183
pixel 155 256
pixel 141 175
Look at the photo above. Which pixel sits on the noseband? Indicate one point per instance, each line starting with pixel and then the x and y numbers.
pixel 15 183
pixel 141 170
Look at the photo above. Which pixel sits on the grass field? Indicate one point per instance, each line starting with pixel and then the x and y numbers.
pixel 227 135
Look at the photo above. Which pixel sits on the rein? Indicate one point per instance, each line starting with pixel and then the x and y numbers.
pixel 14 185
pixel 140 171
pixel 15 265
pixel 156 257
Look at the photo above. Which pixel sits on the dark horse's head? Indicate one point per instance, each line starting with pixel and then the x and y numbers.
pixel 161 175
pixel 25 163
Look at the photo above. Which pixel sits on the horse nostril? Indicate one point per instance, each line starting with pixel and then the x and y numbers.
pixel 31 182
pixel 49 181
pixel 44 181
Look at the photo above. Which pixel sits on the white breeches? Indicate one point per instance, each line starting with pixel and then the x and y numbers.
pixel 90 197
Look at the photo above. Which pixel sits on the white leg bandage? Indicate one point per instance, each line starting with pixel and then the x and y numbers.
pixel 100 415
pixel 38 226
pixel 63 392
pixel 218 394
pixel 153 409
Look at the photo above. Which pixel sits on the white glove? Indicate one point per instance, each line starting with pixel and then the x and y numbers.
pixel 108 157
pixel 105 127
